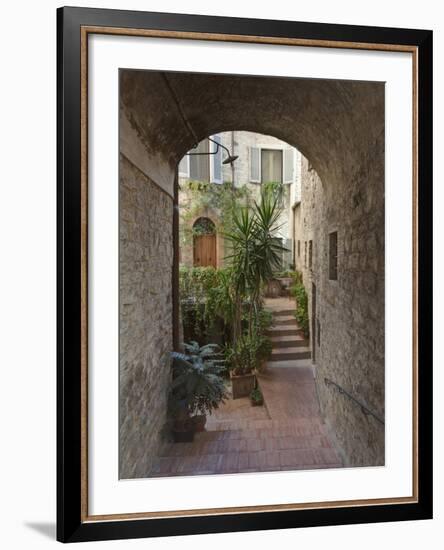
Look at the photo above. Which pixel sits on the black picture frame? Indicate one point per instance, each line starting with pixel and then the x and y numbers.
pixel 71 526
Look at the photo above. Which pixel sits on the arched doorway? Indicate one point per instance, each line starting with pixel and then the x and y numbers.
pixel 339 126
pixel 204 243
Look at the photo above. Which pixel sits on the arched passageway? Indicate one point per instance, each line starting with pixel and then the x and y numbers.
pixel 339 127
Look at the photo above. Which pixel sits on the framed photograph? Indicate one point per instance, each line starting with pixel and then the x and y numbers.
pixel 244 274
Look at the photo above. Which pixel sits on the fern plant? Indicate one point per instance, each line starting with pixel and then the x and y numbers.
pixel 197 386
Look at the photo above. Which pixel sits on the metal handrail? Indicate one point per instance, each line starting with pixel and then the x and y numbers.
pixel 363 408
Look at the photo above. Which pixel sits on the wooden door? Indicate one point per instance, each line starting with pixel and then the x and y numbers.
pixel 205 250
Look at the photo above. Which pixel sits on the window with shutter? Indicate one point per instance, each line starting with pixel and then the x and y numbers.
pixel 255 164
pixel 288 165
pixel 216 162
pixel 199 164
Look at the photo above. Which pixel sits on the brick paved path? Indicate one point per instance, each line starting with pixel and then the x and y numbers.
pixel 286 434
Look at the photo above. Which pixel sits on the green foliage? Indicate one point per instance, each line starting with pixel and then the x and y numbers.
pixel 276 190
pixel 204 226
pixel 195 282
pixel 255 254
pixel 198 386
pixel 233 294
pixel 241 356
pixel 255 250
pixel 248 352
pixel 264 319
pixel 289 273
pixel 205 295
pixel 219 303
pixel 256 396
pixel 223 199
pixel 299 292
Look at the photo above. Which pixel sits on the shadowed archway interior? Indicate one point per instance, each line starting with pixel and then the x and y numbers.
pixel 337 125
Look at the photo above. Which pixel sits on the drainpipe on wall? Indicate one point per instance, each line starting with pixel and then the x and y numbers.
pixel 232 152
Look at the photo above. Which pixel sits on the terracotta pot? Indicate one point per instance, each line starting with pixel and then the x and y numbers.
pixel 242 384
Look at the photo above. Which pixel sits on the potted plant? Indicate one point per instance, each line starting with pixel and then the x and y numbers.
pixel 256 397
pixel 182 426
pixel 242 361
pixel 263 352
pixel 197 387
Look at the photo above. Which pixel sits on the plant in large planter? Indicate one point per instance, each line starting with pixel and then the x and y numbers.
pixel 255 255
pixel 241 359
pixel 197 388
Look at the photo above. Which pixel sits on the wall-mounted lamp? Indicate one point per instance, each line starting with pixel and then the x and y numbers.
pixel 228 160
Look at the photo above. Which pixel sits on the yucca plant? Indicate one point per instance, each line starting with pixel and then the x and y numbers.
pixel 255 255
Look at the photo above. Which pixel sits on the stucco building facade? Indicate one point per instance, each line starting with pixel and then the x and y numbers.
pixel 261 159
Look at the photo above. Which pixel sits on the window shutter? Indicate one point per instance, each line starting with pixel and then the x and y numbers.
pixel 288 165
pixel 184 167
pixel 255 164
pixel 216 162
pixel 200 164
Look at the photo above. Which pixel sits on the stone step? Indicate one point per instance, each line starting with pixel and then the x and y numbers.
pixel 292 364
pixel 289 341
pixel 280 312
pixel 285 320
pixel 285 354
pixel 284 331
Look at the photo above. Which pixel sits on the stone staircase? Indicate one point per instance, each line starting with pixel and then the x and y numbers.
pixel 288 341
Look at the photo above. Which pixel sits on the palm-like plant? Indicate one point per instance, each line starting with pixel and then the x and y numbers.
pixel 267 247
pixel 255 254
pixel 255 248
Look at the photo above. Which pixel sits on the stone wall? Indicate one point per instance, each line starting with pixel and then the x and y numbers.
pixel 146 261
pixel 339 125
pixel 349 347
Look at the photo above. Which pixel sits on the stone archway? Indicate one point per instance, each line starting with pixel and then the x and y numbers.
pixel 339 127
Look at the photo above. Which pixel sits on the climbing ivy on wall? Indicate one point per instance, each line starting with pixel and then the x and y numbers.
pixel 299 292
pixel 199 196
